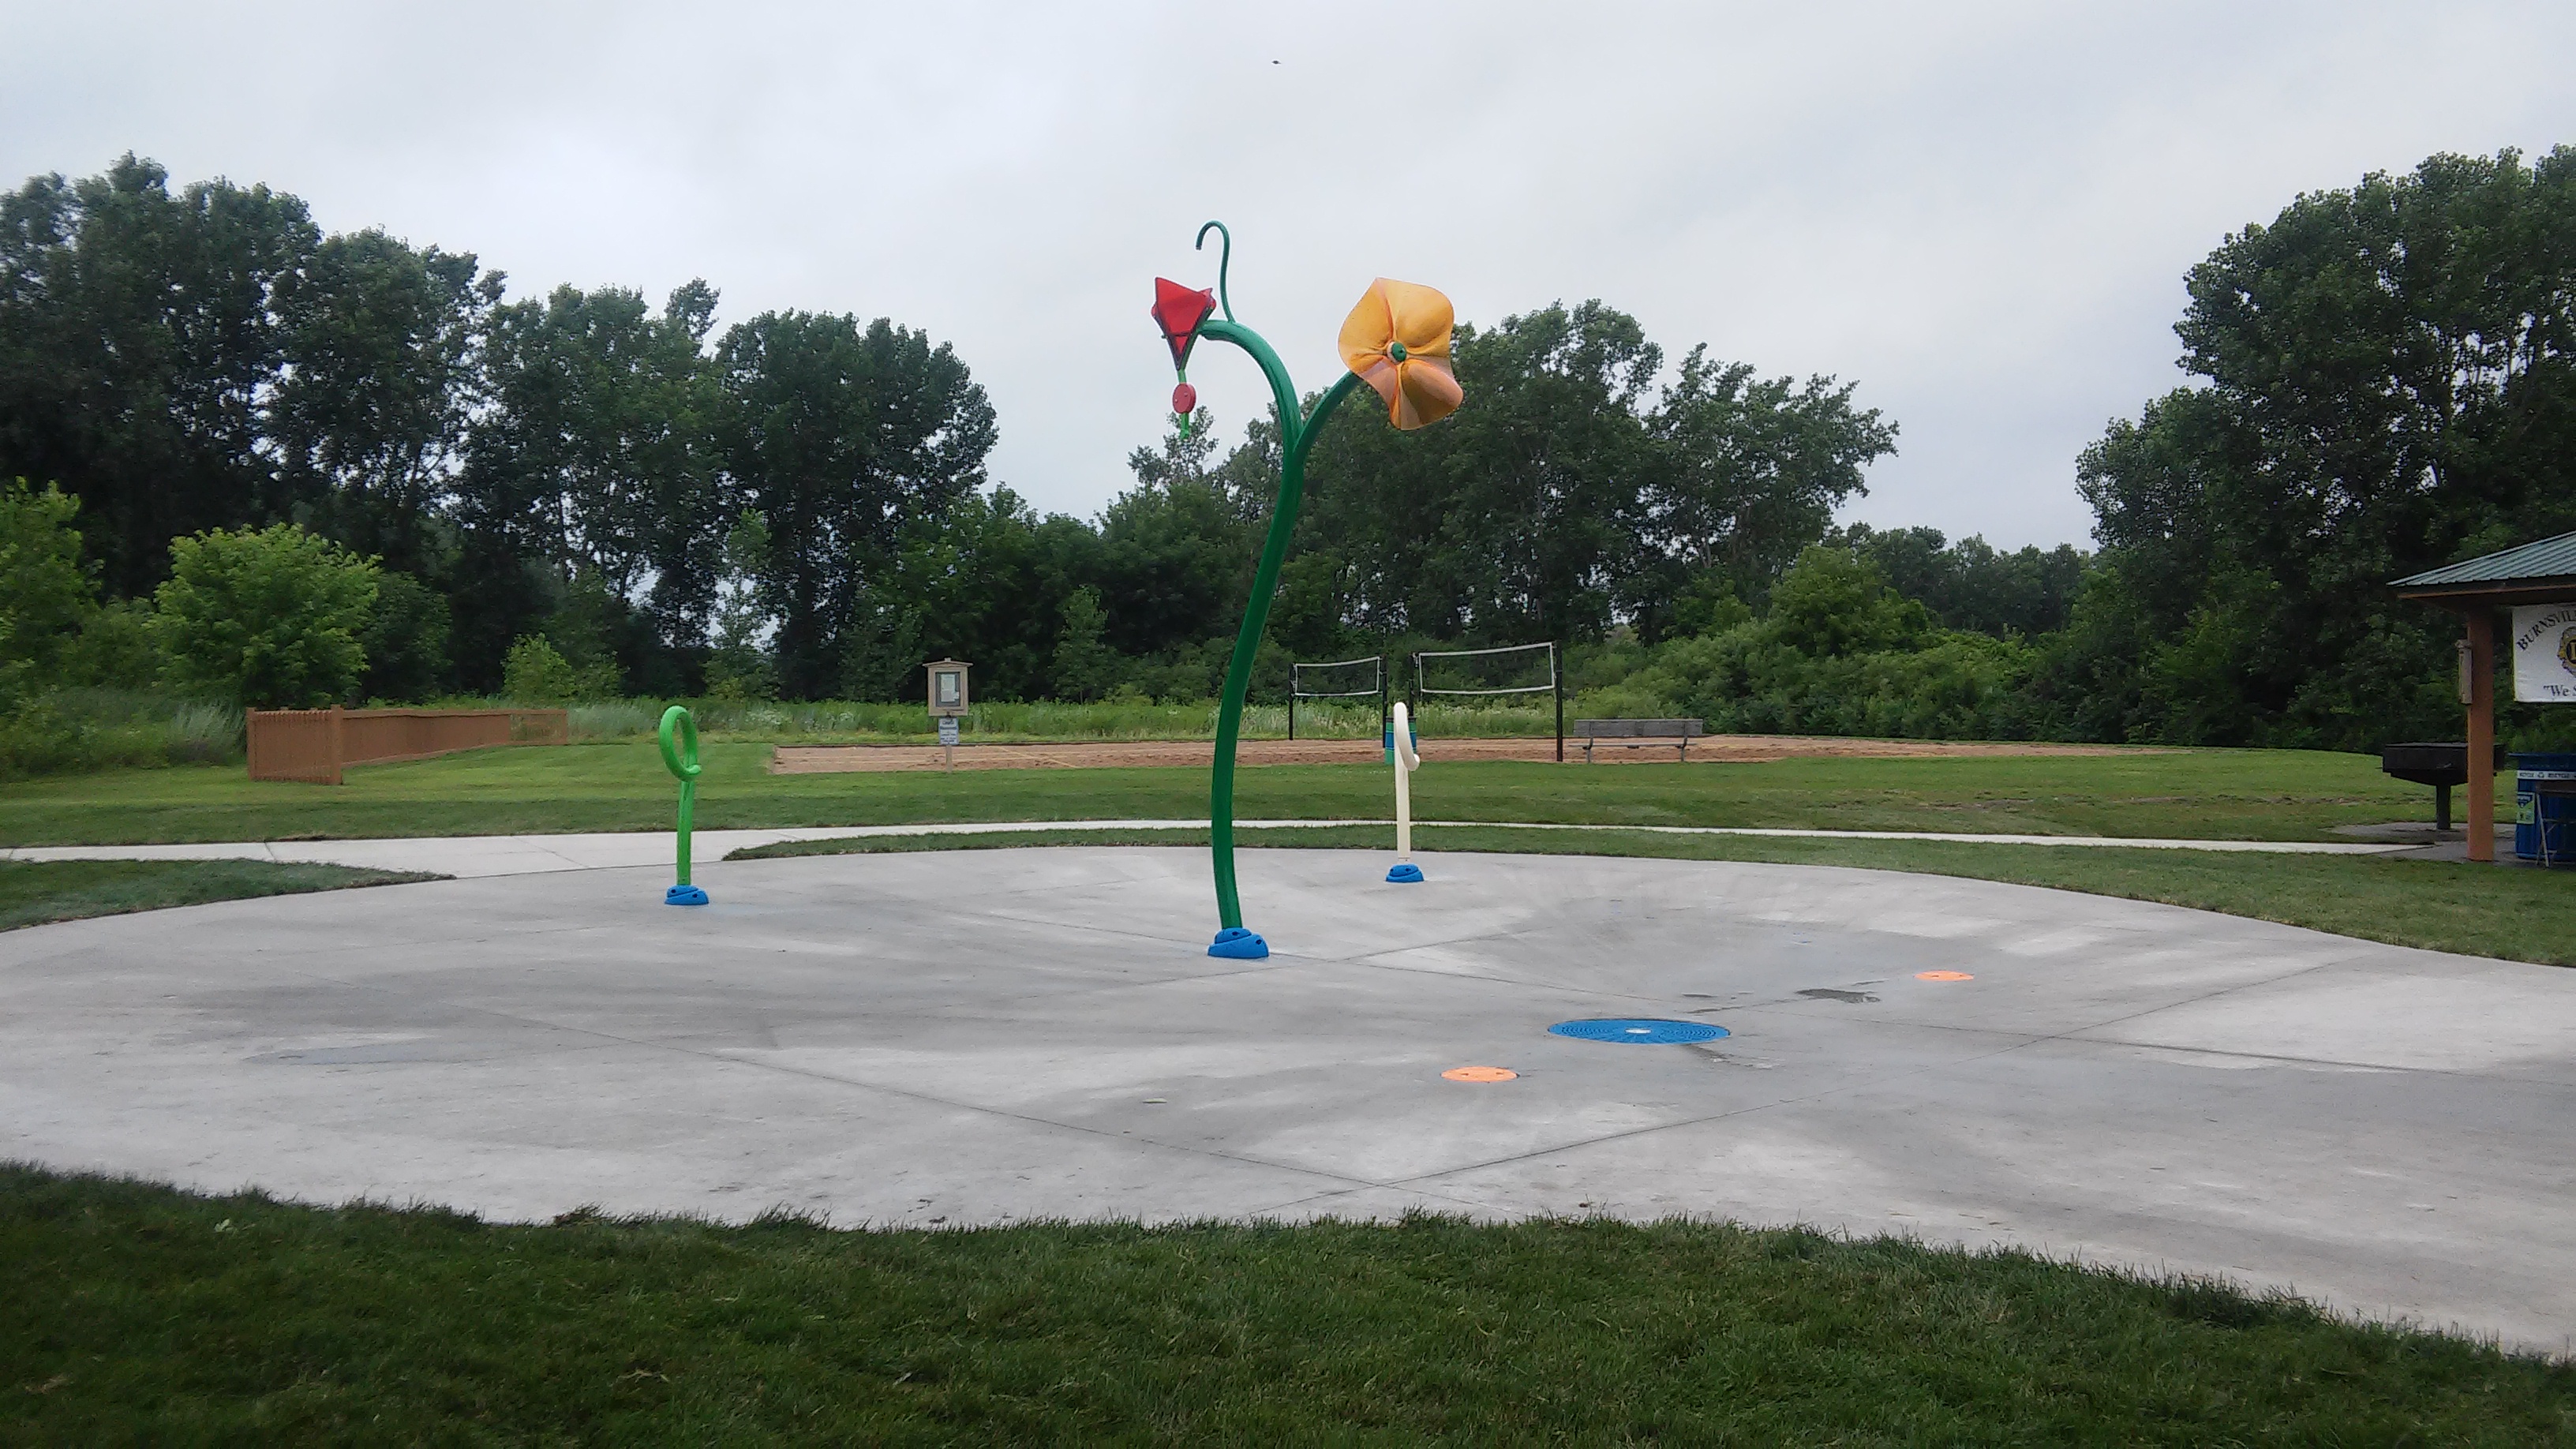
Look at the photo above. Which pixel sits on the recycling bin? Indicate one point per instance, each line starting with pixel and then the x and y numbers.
pixel 2544 811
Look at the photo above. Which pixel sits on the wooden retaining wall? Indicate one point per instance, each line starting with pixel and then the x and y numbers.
pixel 315 745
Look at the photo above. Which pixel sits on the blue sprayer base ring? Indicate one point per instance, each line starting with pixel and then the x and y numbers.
pixel 1240 944
pixel 1405 873
pixel 1639 1030
pixel 684 895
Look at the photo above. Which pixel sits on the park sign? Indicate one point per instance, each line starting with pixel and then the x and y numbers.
pixel 947 702
pixel 2544 654
pixel 947 687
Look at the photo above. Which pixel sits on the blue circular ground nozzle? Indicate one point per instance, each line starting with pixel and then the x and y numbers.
pixel 684 895
pixel 1638 1030
pixel 1405 873
pixel 1239 943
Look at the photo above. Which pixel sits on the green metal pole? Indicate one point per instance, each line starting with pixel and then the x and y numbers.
pixel 679 740
pixel 1296 435
pixel 688 807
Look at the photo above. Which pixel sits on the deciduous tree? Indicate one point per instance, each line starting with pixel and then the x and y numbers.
pixel 268 618
pixel 2389 383
pixel 839 436
pixel 140 336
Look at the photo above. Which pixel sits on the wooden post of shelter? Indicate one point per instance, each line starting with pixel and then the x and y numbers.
pixel 2480 826
pixel 2532 574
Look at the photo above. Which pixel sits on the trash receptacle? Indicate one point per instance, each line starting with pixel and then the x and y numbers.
pixel 1388 735
pixel 2544 822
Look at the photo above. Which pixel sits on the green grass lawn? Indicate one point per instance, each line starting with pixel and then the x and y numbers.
pixel 139 1314
pixel 35 892
pixel 2233 794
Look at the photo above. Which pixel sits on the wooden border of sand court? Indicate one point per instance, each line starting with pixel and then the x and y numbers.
pixel 1536 749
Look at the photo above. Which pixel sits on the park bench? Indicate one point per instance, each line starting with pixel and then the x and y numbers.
pixel 1632 734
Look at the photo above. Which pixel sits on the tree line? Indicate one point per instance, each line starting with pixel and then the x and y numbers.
pixel 569 466
pixel 799 503
pixel 2382 380
pixel 2379 382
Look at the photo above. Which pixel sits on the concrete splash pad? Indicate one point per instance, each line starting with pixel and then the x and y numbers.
pixel 980 1036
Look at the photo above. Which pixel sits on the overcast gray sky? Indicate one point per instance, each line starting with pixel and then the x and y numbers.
pixel 1979 212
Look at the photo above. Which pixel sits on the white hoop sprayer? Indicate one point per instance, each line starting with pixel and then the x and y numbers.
pixel 1406 762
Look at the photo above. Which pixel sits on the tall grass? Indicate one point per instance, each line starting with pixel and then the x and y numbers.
pixel 614 719
pixel 71 730
pixel 74 730
pixel 201 733
pixel 845 721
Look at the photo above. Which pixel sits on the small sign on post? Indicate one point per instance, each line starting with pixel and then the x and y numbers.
pixel 947 702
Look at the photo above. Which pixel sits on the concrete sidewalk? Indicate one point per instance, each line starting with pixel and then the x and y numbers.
pixel 469 857
pixel 473 857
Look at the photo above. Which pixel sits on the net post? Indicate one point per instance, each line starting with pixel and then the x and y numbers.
pixel 1292 703
pixel 1556 680
pixel 1385 717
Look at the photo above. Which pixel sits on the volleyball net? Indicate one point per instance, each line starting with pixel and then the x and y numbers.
pixel 1511 669
pixel 1363 678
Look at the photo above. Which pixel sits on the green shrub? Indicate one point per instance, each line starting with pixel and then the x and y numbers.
pixel 45 595
pixel 741 672
pixel 268 618
pixel 1083 665
pixel 537 673
pixel 1636 698
pixel 114 649
pixel 1949 685
pixel 1839 653
pixel 406 640
pixel 38 739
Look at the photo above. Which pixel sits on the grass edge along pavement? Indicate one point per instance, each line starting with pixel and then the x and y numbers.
pixel 2245 794
pixel 140 1312
pixel 2470 910
pixel 42 892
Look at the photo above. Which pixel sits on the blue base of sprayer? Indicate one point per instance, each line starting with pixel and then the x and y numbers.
pixel 684 895
pixel 1240 944
pixel 1405 873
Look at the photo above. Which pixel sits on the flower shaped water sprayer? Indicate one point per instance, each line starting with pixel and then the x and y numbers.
pixel 1396 342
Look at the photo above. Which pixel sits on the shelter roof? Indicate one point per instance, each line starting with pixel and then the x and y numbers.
pixel 2531 573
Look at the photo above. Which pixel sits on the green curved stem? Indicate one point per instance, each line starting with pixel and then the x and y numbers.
pixel 688 807
pixel 1283 393
pixel 679 740
pixel 1342 387
pixel 1296 437
pixel 1224 259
